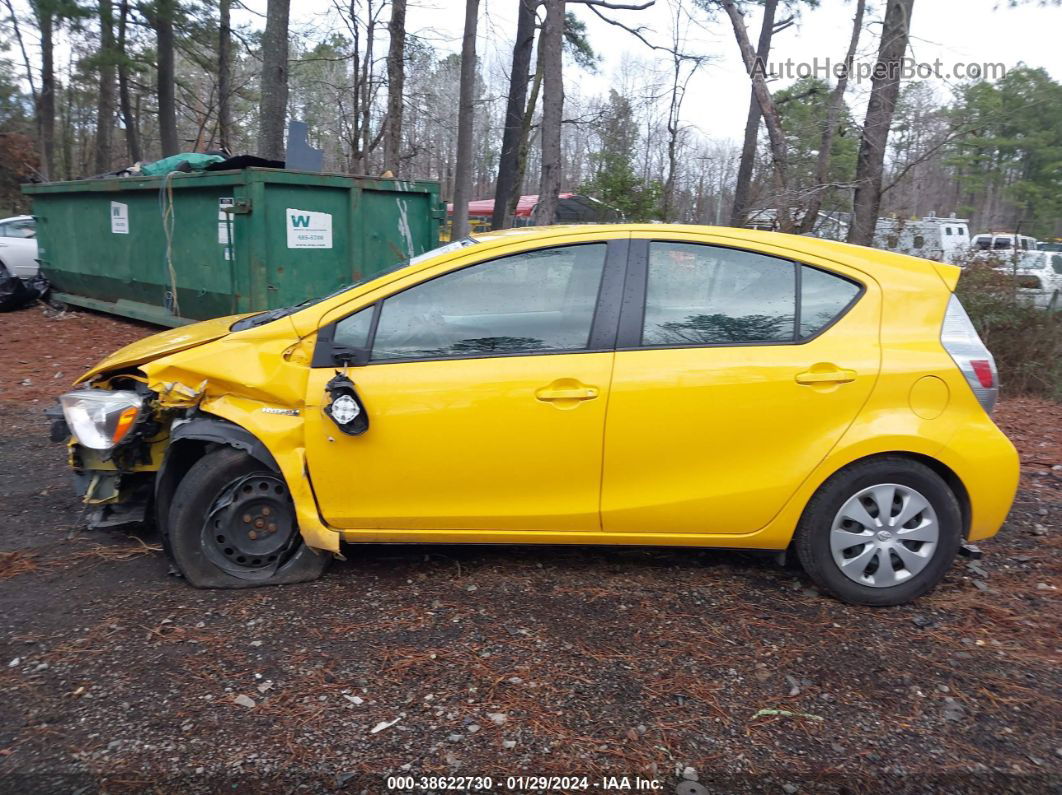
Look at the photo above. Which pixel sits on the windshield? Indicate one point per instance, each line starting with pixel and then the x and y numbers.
pixel 275 314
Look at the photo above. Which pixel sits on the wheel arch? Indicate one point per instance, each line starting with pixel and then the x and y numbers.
pixel 946 473
pixel 189 442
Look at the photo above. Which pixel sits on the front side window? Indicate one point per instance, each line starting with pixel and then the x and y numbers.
pixel 538 301
pixel 702 295
pixel 352 332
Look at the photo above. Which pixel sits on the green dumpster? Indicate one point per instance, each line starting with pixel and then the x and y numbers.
pixel 185 247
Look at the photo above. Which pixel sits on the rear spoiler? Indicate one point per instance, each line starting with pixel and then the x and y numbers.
pixel 949 274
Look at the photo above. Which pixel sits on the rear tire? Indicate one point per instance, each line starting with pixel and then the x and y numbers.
pixel 232 525
pixel 880 532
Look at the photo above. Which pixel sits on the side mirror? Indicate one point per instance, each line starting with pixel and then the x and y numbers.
pixel 352 357
pixel 345 408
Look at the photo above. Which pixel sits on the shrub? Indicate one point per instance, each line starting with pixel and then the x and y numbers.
pixel 1025 340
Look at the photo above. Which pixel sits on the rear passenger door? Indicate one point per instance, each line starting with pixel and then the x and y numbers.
pixel 736 371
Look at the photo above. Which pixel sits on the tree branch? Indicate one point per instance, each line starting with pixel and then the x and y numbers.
pixel 614 6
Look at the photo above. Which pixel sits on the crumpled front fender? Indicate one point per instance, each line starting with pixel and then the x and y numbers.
pixel 274 437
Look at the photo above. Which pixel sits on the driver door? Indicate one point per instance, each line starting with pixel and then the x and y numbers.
pixel 485 389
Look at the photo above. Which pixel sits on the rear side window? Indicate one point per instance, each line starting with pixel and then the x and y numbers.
pixel 823 297
pixel 25 228
pixel 704 295
pixel 709 295
pixel 538 301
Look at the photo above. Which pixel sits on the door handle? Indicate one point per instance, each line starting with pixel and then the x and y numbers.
pixel 565 390
pixel 834 375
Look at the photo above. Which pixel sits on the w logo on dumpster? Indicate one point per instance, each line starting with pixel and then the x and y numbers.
pixel 308 229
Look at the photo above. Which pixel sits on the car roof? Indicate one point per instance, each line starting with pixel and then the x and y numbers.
pixel 885 266
pixel 873 259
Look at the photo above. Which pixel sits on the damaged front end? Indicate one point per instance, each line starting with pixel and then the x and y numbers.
pixel 116 433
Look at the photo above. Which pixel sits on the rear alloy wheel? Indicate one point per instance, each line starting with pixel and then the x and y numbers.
pixel 232 524
pixel 881 532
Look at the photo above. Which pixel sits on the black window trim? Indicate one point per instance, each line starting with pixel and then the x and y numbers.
pixel 632 318
pixel 603 326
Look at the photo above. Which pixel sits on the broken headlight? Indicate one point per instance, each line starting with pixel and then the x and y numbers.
pixel 99 419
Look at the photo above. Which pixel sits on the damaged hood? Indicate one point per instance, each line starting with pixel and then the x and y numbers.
pixel 162 344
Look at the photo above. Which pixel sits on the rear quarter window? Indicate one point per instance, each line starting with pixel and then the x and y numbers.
pixel 823 298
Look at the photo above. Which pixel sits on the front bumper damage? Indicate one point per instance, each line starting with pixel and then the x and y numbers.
pixel 115 485
pixel 236 392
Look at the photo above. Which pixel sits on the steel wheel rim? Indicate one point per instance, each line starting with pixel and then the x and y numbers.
pixel 250 528
pixel 884 535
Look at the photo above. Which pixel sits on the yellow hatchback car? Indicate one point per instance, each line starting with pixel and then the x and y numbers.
pixel 628 384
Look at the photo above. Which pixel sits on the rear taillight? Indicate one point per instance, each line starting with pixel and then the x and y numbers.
pixel 961 341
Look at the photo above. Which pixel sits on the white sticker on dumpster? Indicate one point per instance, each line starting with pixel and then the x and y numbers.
pixel 224 219
pixel 119 218
pixel 308 229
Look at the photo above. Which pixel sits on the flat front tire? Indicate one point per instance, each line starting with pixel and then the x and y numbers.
pixel 880 532
pixel 232 525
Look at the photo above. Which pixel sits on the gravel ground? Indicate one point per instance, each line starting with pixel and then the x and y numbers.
pixel 671 665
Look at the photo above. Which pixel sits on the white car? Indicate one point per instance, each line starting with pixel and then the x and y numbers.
pixel 18 245
pixel 1039 277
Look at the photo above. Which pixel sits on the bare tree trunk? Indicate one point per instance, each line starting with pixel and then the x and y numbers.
pixel 132 133
pixel 524 143
pixel 466 112
pixel 396 78
pixel 65 141
pixel 366 87
pixel 552 45
pixel 884 89
pixel 273 108
pixel 105 100
pixel 833 113
pixel 45 22
pixel 357 154
pixel 739 211
pixel 224 75
pixel 514 113
pixel 770 113
pixel 46 98
pixel 163 21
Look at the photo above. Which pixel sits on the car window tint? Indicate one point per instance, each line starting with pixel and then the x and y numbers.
pixel 823 296
pixel 353 330
pixel 537 301
pixel 701 295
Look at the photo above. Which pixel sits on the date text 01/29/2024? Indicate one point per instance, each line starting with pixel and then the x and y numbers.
pixel 522 783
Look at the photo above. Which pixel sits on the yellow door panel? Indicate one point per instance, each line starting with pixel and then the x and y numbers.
pixel 715 439
pixel 507 443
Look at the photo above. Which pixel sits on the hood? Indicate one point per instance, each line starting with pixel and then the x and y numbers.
pixel 162 344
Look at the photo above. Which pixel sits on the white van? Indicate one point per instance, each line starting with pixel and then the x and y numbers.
pixel 931 237
pixel 1002 242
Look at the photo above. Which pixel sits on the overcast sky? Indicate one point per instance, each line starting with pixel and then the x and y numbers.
pixel 953 31
pixel 968 31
